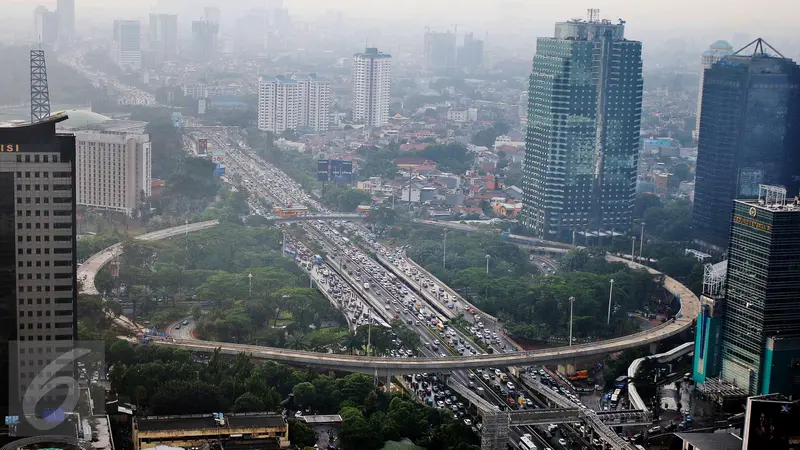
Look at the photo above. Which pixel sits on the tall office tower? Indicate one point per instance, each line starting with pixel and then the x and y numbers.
pixel 205 39
pixel 66 19
pixel 126 46
pixel 289 103
pixel 760 343
pixel 581 149
pixel 470 54
pixel 163 36
pixel 749 134
pixel 46 25
pixel 716 52
pixel 281 20
pixel 212 14
pixel 38 286
pixel 440 50
pixel 372 84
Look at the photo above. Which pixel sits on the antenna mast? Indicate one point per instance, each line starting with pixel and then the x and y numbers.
pixel 593 15
pixel 40 94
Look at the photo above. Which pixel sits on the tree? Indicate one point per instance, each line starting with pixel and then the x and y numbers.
pixel 301 434
pixel 187 397
pixel 305 394
pixel 248 402
pixel 381 219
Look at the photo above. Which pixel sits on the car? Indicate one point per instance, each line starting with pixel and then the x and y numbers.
pixel 467 422
pixel 562 442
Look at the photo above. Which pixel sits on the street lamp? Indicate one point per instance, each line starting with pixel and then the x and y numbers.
pixel 487 263
pixel 444 255
pixel 571 301
pixel 641 242
pixel 610 292
pixel 249 284
pixel 633 248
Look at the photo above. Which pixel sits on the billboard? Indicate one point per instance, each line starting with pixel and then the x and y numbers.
pixel 341 171
pixel 218 157
pixel 335 170
pixel 202 146
pixel 771 424
pixel 322 170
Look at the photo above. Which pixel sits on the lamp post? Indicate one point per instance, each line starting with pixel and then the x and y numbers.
pixel 610 293
pixel 444 255
pixel 249 284
pixel 641 242
pixel 571 302
pixel 633 248
pixel 487 263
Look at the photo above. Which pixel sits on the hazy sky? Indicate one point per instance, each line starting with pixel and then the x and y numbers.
pixel 660 14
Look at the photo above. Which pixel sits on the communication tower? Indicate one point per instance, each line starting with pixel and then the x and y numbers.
pixel 40 94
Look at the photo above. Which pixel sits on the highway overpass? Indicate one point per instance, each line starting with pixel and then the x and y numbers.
pixel 683 321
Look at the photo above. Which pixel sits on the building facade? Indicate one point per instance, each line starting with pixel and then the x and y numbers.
pixel 760 344
pixel 372 84
pixel 715 52
pixel 205 39
pixel 749 134
pixel 163 36
pixel 470 54
pixel 289 103
pixel 66 19
pixel 38 286
pixel 126 46
pixel 46 25
pixel 440 50
pixel 582 142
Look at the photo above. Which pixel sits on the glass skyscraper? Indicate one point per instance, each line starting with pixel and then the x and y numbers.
pixel 581 149
pixel 760 341
pixel 749 135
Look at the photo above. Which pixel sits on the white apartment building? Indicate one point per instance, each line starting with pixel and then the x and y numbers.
pixel 372 80
pixel 126 45
pixel 455 115
pixel 113 161
pixel 288 103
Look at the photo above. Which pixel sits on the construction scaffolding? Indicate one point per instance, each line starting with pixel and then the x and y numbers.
pixel 714 278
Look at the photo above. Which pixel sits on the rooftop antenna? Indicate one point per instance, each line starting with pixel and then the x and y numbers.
pixel 40 94
pixel 760 47
pixel 593 15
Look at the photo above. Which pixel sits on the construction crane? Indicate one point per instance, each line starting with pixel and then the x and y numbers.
pixel 40 93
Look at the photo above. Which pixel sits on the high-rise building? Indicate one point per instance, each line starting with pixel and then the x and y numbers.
pixel 113 160
pixel 289 103
pixel 749 134
pixel 470 54
pixel 163 36
pixel 372 84
pixel 38 286
pixel 46 25
pixel 716 52
pixel 760 340
pixel 205 39
pixel 212 14
pixel 126 46
pixel 66 19
pixel 581 149
pixel 440 50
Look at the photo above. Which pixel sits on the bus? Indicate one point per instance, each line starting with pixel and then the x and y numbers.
pixel 526 443
pixel 615 397
pixel 318 260
pixel 621 382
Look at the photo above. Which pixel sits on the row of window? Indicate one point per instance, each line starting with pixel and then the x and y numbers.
pixel 36 158
pixel 58 301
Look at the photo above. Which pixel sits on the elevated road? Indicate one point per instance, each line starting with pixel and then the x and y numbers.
pixel 690 308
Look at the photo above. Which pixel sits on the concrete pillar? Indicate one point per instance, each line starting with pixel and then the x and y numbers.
pixel 570 369
pixel 561 369
pixel 653 348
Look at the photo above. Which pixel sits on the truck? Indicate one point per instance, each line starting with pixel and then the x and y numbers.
pixel 580 375
pixel 318 260
pixel 366 286
pixel 526 443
